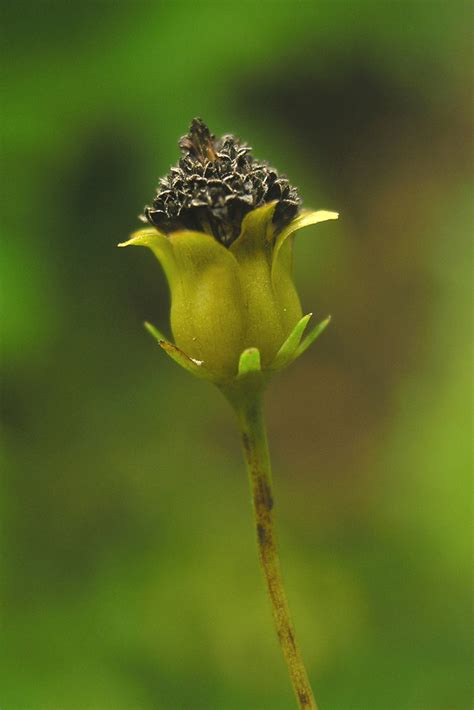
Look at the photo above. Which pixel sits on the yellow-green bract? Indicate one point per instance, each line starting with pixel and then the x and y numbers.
pixel 225 301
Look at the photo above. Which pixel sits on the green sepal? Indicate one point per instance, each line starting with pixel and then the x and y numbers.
pixel 159 244
pixel 306 218
pixel 283 285
pixel 253 250
pixel 311 337
pixel 286 353
pixel 255 234
pixel 188 363
pixel 207 303
pixel 249 362
pixel 155 333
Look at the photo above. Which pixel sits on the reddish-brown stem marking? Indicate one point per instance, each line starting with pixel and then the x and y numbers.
pixel 254 440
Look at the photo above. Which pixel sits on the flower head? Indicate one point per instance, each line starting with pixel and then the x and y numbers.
pixel 222 225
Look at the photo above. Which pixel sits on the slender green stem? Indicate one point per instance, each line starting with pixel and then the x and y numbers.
pixel 254 440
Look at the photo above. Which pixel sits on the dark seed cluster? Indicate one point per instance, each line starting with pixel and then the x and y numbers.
pixel 215 184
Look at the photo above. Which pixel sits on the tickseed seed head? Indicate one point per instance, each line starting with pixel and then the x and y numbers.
pixel 215 184
pixel 222 226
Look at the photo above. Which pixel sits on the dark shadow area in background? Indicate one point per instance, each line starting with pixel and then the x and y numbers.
pixel 387 153
pixel 105 520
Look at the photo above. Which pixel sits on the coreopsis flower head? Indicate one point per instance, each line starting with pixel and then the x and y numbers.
pixel 222 225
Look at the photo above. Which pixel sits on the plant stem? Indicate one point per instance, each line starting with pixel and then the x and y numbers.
pixel 257 457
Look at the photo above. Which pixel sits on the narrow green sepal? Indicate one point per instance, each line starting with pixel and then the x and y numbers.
pixel 255 233
pixel 155 333
pixel 249 362
pixel 304 219
pixel 311 337
pixel 287 351
pixel 188 363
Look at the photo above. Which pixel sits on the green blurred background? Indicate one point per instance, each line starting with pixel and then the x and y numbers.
pixel 129 573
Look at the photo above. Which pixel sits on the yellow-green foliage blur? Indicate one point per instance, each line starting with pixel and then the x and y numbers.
pixel 129 574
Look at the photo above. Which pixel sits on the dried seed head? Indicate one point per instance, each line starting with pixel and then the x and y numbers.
pixel 215 184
